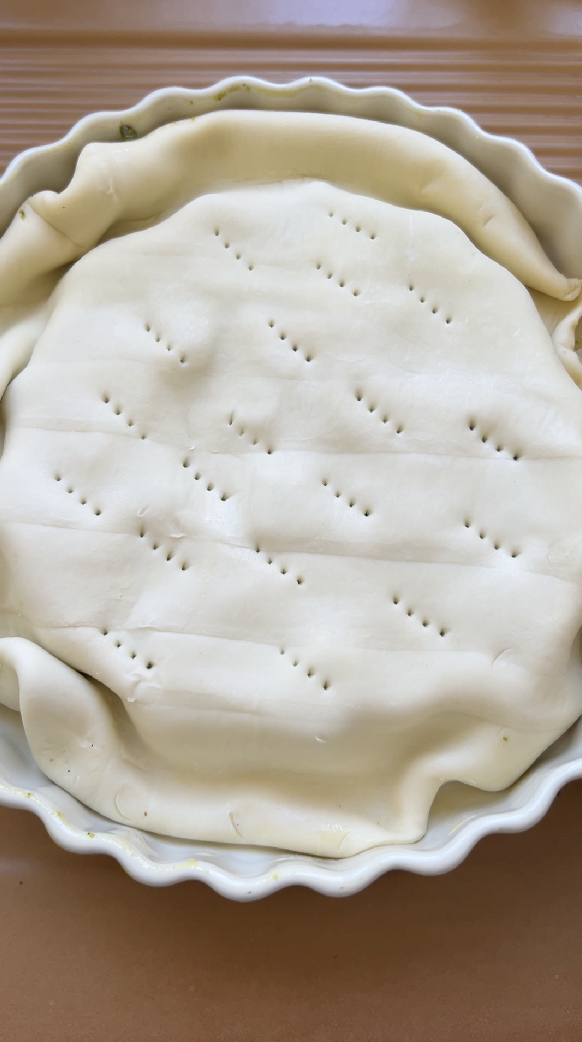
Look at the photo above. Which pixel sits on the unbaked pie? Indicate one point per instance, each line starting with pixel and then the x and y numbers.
pixel 291 485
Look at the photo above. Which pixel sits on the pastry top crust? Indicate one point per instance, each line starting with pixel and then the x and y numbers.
pixel 290 493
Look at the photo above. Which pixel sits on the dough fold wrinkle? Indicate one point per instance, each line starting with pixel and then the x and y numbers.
pixel 291 486
pixel 117 184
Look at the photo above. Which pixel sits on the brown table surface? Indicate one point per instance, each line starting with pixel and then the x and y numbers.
pixel 491 951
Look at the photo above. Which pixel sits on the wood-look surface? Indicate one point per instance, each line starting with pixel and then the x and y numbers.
pixel 515 66
pixel 491 952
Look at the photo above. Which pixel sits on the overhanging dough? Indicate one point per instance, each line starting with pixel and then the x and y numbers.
pixel 118 187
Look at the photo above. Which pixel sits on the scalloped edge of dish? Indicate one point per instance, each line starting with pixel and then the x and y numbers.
pixel 460 816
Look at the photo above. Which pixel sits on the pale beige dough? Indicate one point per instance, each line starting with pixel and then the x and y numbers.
pixel 117 188
pixel 290 507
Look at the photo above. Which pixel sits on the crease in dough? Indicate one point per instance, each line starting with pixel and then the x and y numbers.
pixel 563 320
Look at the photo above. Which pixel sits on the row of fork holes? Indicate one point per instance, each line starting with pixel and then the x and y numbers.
pixel 83 500
pixel 118 411
pixel 357 227
pixel 435 307
pixel 238 255
pixel 411 613
pixel 309 672
pixel 282 568
pixel 242 431
pixel 168 346
pixel 157 546
pixel 294 347
pixel 483 535
pixel 132 654
pixel 210 487
pixel 341 282
pixel 472 425
pixel 351 502
pixel 372 407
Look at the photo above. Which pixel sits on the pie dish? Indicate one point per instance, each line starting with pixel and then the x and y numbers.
pixel 486 428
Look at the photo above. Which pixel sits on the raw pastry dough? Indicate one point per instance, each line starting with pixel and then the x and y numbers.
pixel 291 486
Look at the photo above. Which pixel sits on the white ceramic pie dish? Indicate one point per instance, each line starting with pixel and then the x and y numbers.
pixel 460 815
